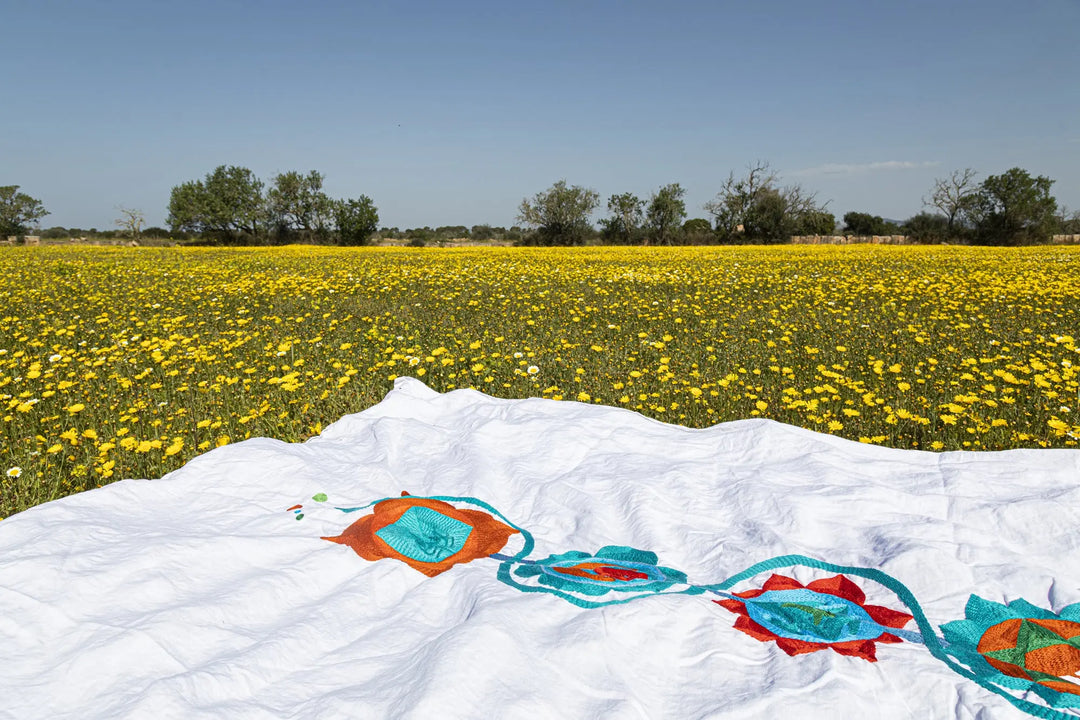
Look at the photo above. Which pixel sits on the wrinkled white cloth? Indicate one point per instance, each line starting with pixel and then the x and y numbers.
pixel 201 595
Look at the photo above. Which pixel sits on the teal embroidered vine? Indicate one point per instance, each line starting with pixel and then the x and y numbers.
pixel 1016 650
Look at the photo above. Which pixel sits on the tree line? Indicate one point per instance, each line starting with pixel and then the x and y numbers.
pixel 231 205
pixel 1012 208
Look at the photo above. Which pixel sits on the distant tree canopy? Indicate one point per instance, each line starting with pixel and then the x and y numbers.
pixel 485 232
pixel 624 225
pixel 665 214
pixel 560 214
pixel 1013 208
pixel 298 207
pixel 927 228
pixel 754 208
pixel 356 220
pixel 859 223
pixel 816 222
pixel 55 233
pixel 451 232
pixel 18 211
pixel 698 231
pixel 229 205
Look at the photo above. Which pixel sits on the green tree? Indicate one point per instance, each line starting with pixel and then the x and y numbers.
pixel 816 222
pixel 624 225
pixel 356 220
pixel 1013 208
pixel 451 232
pixel 298 205
pixel 18 211
pixel 698 231
pixel 858 223
pixel 754 208
pixel 770 221
pixel 735 204
pixel 187 207
pixel 927 228
pixel 665 214
pixel 228 204
pixel 236 201
pixel 55 233
pixel 424 234
pixel 560 214
pixel 482 232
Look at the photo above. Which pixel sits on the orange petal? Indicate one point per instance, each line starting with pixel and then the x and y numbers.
pixel 1061 660
pixel 487 536
pixel 1001 636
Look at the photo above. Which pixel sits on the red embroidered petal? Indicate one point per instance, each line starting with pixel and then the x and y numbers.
pixel 733 605
pixel 839 586
pixel 781 582
pixel 856 648
pixel 887 617
pixel 749 593
pixel 798 647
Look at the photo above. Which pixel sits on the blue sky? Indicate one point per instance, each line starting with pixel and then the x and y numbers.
pixel 450 113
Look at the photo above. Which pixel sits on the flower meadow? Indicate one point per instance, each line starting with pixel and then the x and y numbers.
pixel 127 362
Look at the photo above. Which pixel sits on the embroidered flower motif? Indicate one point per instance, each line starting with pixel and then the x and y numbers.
pixel 427 535
pixel 612 568
pixel 1020 646
pixel 827 613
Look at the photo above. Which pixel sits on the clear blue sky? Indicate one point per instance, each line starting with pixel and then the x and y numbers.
pixel 450 113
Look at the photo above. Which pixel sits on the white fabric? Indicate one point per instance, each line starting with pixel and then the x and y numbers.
pixel 199 595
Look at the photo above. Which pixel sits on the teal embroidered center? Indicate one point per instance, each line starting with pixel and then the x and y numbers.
pixel 425 535
pixel 811 616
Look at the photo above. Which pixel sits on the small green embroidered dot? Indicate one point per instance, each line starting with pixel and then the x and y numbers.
pixel 319 497
pixel 299 516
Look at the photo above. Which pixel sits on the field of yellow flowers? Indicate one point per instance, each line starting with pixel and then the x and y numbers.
pixel 127 362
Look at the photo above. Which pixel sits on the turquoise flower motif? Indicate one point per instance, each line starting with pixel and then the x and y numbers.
pixel 1021 647
pixel 579 576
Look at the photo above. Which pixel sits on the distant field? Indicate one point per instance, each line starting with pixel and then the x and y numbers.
pixel 127 362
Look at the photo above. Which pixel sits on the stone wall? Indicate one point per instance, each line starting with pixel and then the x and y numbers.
pixel 1065 239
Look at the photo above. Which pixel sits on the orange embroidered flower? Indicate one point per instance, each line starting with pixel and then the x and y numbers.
pixel 427 535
